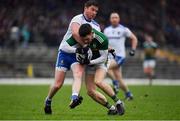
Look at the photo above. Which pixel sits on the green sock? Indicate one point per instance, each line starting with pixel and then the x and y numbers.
pixel 115 98
pixel 107 105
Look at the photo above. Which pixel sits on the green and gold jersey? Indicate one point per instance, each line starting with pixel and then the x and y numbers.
pixel 99 42
pixel 149 50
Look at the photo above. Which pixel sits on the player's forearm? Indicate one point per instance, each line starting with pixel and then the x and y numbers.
pixel 101 59
pixel 77 38
pixel 67 48
pixel 134 42
pixel 75 29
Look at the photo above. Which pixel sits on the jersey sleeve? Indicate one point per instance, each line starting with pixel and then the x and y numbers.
pixel 127 32
pixel 105 31
pixel 105 44
pixel 76 19
pixel 102 39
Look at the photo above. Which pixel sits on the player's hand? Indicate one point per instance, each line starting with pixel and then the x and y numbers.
pixel 112 51
pixel 82 55
pixel 83 59
pixel 132 52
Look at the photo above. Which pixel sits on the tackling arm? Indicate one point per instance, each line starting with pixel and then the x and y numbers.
pixel 75 32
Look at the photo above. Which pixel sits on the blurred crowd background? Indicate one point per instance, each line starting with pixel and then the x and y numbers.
pixel 31 30
pixel 46 21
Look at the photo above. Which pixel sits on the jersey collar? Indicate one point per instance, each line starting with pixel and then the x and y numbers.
pixel 88 20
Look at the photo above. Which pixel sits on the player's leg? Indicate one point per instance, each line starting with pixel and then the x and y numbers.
pixel 59 80
pixel 115 82
pixel 78 71
pixel 60 72
pixel 148 70
pixel 118 74
pixel 99 80
pixel 97 96
pixel 116 68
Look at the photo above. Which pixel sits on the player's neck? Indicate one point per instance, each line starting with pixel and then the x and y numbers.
pixel 86 18
pixel 114 26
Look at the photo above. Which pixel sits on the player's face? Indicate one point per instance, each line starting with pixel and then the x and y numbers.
pixel 114 19
pixel 88 38
pixel 91 12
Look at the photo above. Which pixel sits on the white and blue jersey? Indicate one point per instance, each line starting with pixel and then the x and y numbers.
pixel 66 55
pixel 117 36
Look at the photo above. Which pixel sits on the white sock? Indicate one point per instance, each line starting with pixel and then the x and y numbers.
pixel 119 102
pixel 75 93
pixel 112 107
pixel 47 98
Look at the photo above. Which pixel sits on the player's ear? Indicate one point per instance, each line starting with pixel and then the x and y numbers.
pixel 85 8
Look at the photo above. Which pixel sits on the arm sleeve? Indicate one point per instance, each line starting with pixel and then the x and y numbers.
pixel 76 19
pixel 101 59
pixel 127 32
pixel 67 48
pixel 105 32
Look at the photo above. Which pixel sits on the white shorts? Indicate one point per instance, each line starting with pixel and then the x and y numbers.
pixel 92 69
pixel 149 63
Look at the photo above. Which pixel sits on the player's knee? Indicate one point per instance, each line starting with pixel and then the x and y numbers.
pixel 98 83
pixel 57 85
pixel 78 74
pixel 91 93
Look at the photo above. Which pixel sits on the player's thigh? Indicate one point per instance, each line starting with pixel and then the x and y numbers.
pixel 77 70
pixel 100 74
pixel 89 81
pixel 111 64
pixel 111 74
pixel 118 73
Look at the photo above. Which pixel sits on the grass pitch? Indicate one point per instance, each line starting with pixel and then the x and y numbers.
pixel 27 102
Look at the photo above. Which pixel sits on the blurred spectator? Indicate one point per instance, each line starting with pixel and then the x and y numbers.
pixel 25 35
pixel 14 35
pixel 47 19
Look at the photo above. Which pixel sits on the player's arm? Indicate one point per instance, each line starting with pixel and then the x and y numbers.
pixel 103 51
pixel 134 43
pixel 75 32
pixel 101 59
pixel 68 48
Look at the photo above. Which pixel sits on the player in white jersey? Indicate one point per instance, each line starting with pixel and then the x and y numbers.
pixel 67 58
pixel 117 35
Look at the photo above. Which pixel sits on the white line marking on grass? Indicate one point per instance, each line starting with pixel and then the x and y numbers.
pixel 68 81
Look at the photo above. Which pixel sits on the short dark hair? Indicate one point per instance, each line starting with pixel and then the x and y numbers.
pixel 91 2
pixel 84 30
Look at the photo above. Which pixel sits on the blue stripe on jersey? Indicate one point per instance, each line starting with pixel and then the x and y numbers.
pixel 114 37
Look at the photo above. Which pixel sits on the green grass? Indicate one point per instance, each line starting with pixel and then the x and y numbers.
pixel 26 102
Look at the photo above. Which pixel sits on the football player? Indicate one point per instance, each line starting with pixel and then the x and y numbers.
pixel 117 35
